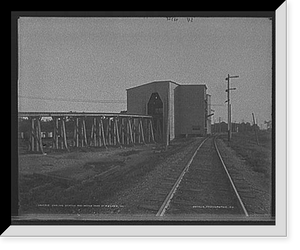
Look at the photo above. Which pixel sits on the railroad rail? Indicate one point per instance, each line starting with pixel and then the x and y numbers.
pixel 169 197
pixel 230 179
pixel 82 129
pixel 203 186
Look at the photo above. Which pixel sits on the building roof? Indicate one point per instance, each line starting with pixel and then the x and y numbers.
pixel 184 84
pixel 152 83
pixel 193 84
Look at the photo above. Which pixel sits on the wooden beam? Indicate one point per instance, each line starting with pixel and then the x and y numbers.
pixel 32 135
pixel 102 132
pixel 108 131
pixel 74 132
pixel 40 134
pixel 142 131
pixel 99 133
pixel 122 131
pixel 77 114
pixel 61 134
pixel 64 135
pixel 54 132
pixel 84 131
pixel 81 131
pixel 36 135
pixel 95 131
pixel 92 136
pixel 114 131
pixel 151 131
pixel 57 133
pixel 130 131
pixel 148 130
pixel 134 130
pixel 126 133
pixel 117 131
pixel 77 132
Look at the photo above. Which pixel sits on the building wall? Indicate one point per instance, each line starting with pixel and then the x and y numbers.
pixel 172 109
pixel 191 104
pixel 138 98
pixel 177 105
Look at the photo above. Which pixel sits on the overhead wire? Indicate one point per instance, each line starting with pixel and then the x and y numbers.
pixel 71 99
pixel 86 101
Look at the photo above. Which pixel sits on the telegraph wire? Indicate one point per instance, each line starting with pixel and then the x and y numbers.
pixel 71 99
pixel 86 101
pixel 217 105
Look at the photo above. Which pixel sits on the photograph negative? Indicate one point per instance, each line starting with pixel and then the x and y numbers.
pixel 160 120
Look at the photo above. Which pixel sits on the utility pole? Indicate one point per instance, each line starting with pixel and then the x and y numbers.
pixel 228 103
pixel 169 118
pixel 254 126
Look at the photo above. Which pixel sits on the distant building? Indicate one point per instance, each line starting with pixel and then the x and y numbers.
pixel 177 110
pixel 222 127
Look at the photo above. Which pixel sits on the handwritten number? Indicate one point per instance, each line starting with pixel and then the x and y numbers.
pixel 174 19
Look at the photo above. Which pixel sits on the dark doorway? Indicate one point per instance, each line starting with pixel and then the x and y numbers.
pixel 155 109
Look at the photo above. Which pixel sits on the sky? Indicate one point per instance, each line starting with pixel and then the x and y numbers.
pixel 86 64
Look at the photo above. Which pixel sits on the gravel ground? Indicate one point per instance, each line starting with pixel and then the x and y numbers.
pixel 94 181
pixel 55 161
pixel 133 189
pixel 72 178
pixel 146 197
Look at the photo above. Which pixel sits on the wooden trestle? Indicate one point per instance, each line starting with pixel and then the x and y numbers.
pixel 106 129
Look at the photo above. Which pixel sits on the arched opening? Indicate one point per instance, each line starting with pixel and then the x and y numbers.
pixel 155 109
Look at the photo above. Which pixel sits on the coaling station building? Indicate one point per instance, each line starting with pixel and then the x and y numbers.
pixel 177 109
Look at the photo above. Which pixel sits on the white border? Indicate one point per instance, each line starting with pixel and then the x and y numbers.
pixel 281 118
pixel 280 229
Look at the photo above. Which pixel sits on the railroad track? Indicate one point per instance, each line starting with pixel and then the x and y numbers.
pixel 204 186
